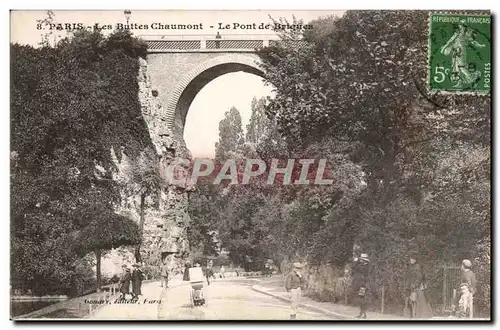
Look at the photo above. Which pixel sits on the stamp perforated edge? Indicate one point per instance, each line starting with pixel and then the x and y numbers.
pixel 458 13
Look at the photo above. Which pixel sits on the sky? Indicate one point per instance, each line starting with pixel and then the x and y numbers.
pixel 237 89
pixel 24 22
pixel 232 89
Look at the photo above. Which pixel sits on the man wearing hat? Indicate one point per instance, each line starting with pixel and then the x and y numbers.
pixel 164 274
pixel 468 278
pixel 360 270
pixel 293 285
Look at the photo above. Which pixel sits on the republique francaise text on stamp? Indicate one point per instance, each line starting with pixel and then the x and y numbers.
pixel 459 53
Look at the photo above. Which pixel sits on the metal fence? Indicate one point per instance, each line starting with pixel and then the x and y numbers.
pixel 451 281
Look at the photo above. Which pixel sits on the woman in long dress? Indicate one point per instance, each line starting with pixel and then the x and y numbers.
pixel 416 291
pixel 137 277
pixel 185 276
pixel 360 273
pixel 125 282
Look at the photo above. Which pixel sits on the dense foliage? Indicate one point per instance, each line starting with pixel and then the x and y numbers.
pixel 411 169
pixel 71 105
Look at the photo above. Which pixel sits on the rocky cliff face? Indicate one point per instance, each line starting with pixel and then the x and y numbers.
pixel 173 201
pixel 166 216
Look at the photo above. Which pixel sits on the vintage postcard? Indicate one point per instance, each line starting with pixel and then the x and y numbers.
pixel 250 165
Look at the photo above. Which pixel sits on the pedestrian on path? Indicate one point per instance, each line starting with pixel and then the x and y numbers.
pixel 222 271
pixel 294 283
pixel 125 282
pixel 466 291
pixel 164 274
pixel 137 277
pixel 209 273
pixel 185 276
pixel 468 275
pixel 465 302
pixel 360 273
pixel 416 287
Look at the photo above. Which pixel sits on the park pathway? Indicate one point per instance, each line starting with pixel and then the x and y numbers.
pixel 227 299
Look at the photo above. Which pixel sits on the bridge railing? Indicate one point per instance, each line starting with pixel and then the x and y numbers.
pixel 208 43
pixel 261 36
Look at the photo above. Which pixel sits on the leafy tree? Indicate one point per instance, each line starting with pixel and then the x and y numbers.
pixel 240 235
pixel 257 127
pixel 231 137
pixel 357 87
pixel 228 214
pixel 263 140
pixel 408 167
pixel 206 204
pixel 78 101
pixel 105 231
pixel 49 38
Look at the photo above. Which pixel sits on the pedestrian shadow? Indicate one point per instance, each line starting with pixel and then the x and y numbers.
pixel 190 306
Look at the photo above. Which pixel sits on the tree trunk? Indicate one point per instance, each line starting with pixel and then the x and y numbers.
pixel 137 251
pixel 98 269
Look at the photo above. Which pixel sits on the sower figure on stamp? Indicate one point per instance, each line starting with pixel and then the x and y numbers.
pixel 360 272
pixel 293 284
pixel 462 72
pixel 125 282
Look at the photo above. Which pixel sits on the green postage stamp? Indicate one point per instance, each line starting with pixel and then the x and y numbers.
pixel 459 53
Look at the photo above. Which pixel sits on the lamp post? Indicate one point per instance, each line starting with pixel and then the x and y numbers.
pixel 217 41
pixel 127 14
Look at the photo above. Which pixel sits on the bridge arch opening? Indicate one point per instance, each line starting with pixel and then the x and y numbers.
pixel 192 83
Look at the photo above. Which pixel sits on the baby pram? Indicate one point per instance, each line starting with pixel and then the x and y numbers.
pixel 196 279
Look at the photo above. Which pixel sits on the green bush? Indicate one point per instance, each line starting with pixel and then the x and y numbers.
pixel 70 105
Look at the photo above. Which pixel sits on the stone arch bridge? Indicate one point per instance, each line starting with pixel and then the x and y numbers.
pixel 175 70
pixel 180 66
